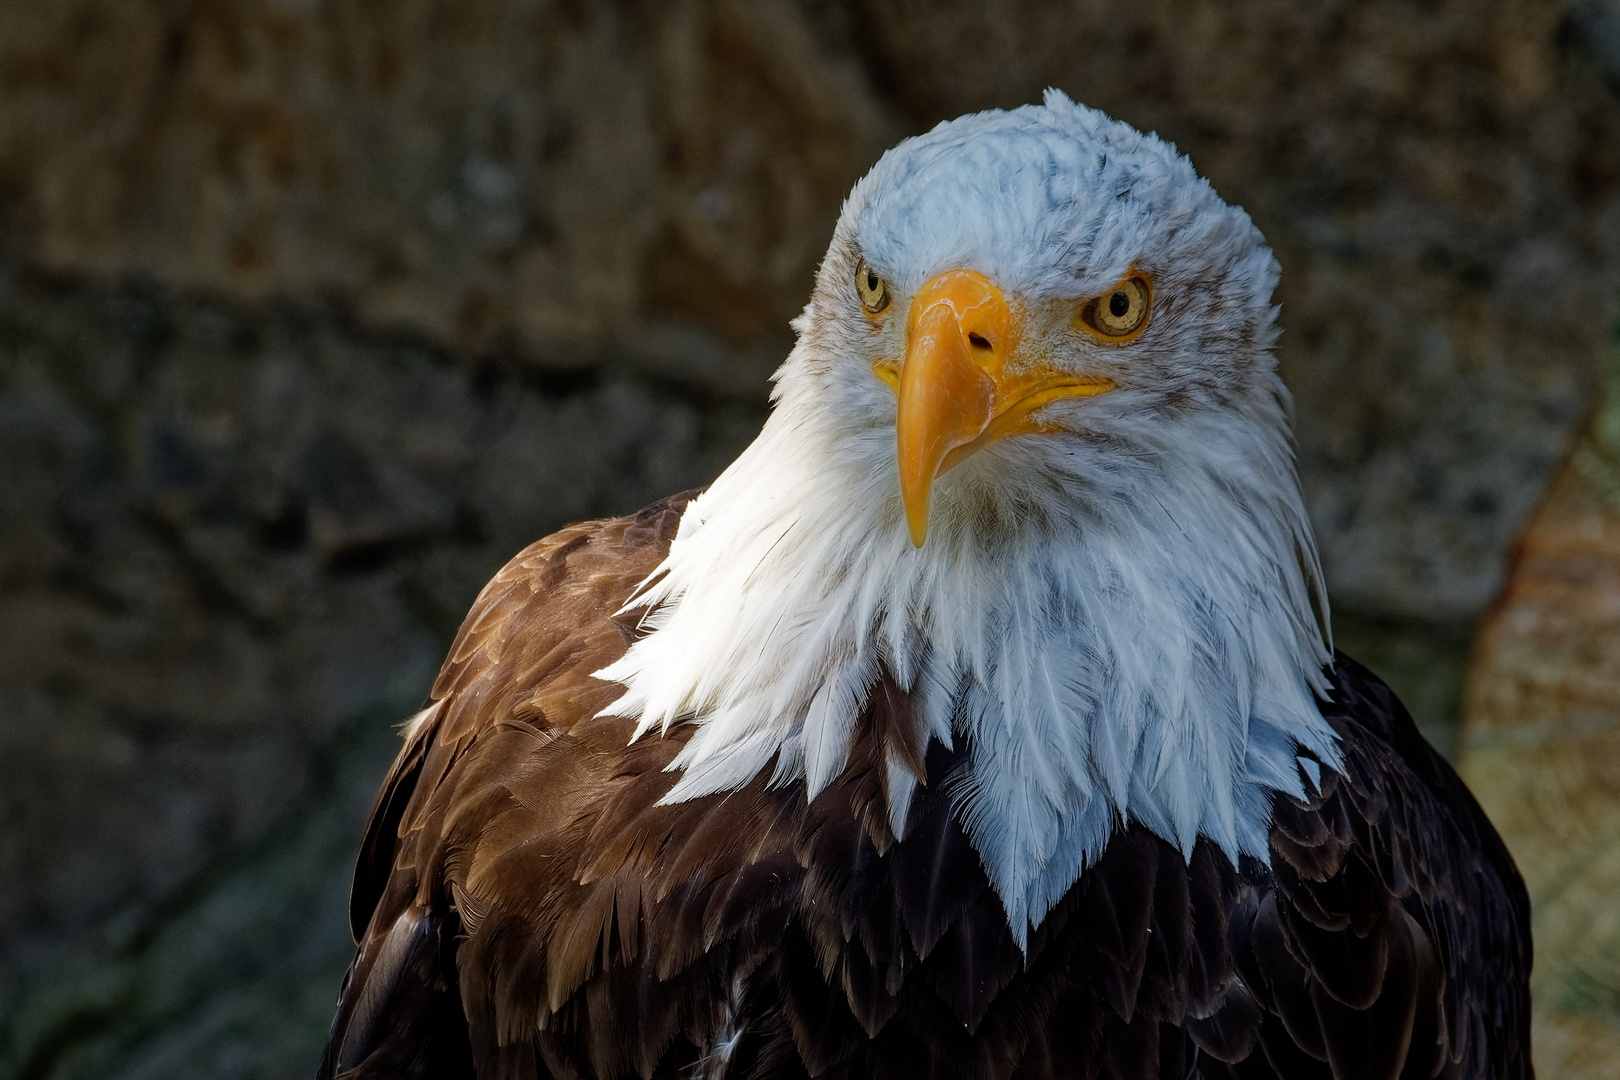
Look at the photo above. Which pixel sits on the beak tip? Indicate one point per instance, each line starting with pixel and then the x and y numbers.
pixel 918 525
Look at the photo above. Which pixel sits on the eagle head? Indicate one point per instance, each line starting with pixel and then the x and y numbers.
pixel 1037 310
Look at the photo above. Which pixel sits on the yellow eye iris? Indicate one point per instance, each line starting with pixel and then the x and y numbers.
pixel 1120 314
pixel 873 290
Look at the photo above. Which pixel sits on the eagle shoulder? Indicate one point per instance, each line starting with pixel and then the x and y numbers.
pixel 517 678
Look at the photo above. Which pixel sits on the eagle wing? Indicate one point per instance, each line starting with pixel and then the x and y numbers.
pixel 526 908
pixel 1390 936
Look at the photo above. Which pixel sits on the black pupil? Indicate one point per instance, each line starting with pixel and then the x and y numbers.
pixel 1119 304
pixel 871 282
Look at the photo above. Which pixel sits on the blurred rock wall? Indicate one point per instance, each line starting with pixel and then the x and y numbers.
pixel 570 182
pixel 313 311
pixel 235 543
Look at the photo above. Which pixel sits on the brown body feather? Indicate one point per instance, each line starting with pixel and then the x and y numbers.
pixel 526 909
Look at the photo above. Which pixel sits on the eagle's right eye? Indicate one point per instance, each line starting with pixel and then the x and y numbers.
pixel 873 290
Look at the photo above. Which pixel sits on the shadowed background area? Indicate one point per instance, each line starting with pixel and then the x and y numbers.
pixel 313 312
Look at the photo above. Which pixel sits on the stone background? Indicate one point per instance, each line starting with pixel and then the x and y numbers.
pixel 1541 745
pixel 314 311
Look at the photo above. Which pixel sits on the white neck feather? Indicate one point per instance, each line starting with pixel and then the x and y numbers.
pixel 1136 644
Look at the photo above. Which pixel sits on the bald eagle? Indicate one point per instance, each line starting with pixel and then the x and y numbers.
pixel 980 720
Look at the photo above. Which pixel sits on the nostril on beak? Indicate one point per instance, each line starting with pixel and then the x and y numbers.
pixel 978 341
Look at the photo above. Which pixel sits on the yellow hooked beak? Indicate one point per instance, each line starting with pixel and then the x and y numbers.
pixel 958 394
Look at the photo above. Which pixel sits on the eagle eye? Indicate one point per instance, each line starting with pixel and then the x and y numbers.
pixel 1119 314
pixel 873 290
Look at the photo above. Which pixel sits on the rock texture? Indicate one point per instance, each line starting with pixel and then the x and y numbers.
pixel 313 311
pixel 1542 747
pixel 558 180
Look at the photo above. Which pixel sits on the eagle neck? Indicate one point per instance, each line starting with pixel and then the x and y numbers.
pixel 1106 660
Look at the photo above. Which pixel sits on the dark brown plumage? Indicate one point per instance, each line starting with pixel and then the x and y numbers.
pixel 524 908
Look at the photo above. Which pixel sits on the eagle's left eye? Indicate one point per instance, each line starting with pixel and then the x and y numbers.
pixel 1119 314
pixel 874 290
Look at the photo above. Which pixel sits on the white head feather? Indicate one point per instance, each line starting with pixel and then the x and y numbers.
pixel 1118 615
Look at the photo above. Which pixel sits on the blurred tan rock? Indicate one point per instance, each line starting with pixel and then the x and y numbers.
pixel 1542 747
